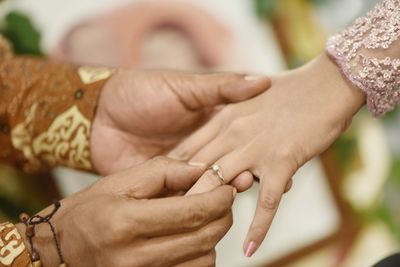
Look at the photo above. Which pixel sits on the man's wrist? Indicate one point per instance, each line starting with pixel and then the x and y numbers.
pixel 43 240
pixel 42 243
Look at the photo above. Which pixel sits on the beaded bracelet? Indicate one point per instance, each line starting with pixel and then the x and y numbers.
pixel 30 223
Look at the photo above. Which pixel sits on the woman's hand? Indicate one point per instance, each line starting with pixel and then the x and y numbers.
pixel 121 221
pixel 274 134
pixel 144 114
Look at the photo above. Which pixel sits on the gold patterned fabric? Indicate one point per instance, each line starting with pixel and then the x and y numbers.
pixel 46 110
pixel 13 252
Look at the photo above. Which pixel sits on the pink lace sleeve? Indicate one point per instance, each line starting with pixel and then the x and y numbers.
pixel 368 52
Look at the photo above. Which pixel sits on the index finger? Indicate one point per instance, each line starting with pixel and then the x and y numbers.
pixel 181 214
pixel 154 177
pixel 271 190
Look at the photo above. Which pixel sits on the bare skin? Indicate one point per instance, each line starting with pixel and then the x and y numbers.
pixel 144 114
pixel 274 134
pixel 122 221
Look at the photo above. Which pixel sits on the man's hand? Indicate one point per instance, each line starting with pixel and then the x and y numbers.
pixel 121 221
pixel 143 114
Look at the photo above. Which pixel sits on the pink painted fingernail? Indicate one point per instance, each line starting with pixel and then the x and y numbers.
pixel 251 248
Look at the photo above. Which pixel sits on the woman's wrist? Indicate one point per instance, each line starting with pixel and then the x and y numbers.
pixel 337 98
pixel 347 96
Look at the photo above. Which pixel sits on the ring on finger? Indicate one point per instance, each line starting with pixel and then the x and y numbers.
pixel 216 169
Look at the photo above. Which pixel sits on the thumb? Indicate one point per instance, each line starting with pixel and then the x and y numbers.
pixel 208 90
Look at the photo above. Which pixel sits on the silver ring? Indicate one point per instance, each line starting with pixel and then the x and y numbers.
pixel 216 169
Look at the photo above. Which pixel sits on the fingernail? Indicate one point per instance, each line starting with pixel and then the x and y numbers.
pixel 197 164
pixel 254 77
pixel 234 192
pixel 251 248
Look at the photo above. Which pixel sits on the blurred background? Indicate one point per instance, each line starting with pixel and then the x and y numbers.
pixel 344 208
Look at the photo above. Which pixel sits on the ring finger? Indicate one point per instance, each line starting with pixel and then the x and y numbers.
pixel 230 166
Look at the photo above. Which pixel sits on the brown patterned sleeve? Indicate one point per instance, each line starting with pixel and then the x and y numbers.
pixel 13 252
pixel 46 110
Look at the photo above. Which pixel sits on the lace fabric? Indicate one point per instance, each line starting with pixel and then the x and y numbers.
pixel 368 52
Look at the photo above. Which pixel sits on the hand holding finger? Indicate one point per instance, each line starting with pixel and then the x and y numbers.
pixel 179 214
pixel 186 246
pixel 153 177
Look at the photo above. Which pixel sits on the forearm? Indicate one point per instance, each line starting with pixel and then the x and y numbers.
pixel 46 111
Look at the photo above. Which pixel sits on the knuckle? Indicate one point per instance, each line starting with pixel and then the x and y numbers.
pixel 114 228
pixel 236 127
pixel 290 156
pixel 210 259
pixel 286 151
pixel 225 224
pixel 161 160
pixel 212 255
pixel 182 153
pixel 207 240
pixel 196 216
pixel 120 228
pixel 212 235
pixel 163 163
pixel 116 232
pixel 230 220
pixel 269 202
